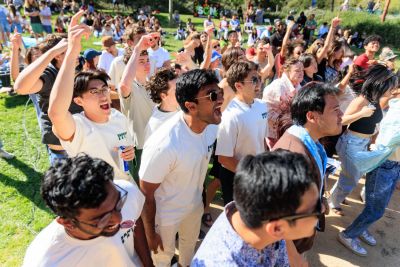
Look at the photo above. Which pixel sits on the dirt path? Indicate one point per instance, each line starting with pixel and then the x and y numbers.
pixel 327 251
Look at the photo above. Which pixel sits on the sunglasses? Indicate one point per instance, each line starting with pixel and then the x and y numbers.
pixel 215 47
pixel 213 95
pixel 254 80
pixel 316 213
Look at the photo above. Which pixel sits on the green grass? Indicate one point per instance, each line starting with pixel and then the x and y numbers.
pixel 22 212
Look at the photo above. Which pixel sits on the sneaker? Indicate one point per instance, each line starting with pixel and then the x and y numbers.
pixel 4 154
pixel 367 238
pixel 353 244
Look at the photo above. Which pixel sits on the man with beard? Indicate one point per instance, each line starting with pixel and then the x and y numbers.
pixel 315 113
pixel 98 221
pixel 174 165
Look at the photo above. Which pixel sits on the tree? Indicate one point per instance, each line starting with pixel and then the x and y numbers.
pixel 385 10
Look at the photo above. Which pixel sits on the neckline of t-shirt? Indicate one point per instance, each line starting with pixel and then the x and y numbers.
pixel 99 123
pixel 182 119
pixel 81 242
pixel 245 105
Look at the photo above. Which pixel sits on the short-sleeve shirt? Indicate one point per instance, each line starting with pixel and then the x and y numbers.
pixel 243 129
pixel 34 19
pixel 54 247
pixel 156 120
pixel 100 140
pixel 106 58
pixel 224 247
pixel 177 158
pixel 362 61
pixel 48 78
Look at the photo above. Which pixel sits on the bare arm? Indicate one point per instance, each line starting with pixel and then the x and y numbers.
pixel 28 81
pixel 140 244
pixel 356 110
pixel 343 83
pixel 229 163
pixel 295 259
pixel 329 38
pixel 16 41
pixel 208 53
pixel 286 38
pixel 62 92
pixel 267 70
pixel 149 214
pixel 130 70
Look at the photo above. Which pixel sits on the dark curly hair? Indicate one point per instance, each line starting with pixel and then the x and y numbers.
pixel 158 83
pixel 76 183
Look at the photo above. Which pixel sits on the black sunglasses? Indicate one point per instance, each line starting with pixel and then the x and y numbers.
pixel 316 213
pixel 213 95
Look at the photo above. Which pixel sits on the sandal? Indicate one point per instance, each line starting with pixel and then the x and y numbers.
pixel 338 211
pixel 344 202
pixel 207 220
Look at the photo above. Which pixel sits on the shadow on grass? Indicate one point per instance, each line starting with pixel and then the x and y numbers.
pixel 29 188
pixel 15 101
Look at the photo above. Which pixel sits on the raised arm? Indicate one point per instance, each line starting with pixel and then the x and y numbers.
pixel 267 70
pixel 356 110
pixel 329 38
pixel 343 83
pixel 286 38
pixel 62 92
pixel 28 81
pixel 16 43
pixel 208 49
pixel 130 70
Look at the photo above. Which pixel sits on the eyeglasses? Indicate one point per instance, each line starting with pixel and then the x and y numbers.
pixel 101 91
pixel 103 221
pixel 254 80
pixel 216 46
pixel 213 95
pixel 291 218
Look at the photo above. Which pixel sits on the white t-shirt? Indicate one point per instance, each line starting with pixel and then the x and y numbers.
pixel 158 57
pixel 99 140
pixel 106 58
pixel 177 158
pixel 116 70
pixel 156 120
pixel 54 247
pixel 138 108
pixel 243 129
pixel 46 12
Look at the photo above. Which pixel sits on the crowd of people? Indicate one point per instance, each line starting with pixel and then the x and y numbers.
pixel 130 134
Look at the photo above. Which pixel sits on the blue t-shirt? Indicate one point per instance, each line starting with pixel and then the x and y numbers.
pixel 224 247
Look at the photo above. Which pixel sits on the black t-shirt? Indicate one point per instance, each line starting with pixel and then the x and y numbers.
pixel 322 68
pixel 315 78
pixel 34 19
pixel 48 78
pixel 276 39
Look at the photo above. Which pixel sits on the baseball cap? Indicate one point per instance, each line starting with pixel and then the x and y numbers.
pixel 387 54
pixel 107 41
pixel 90 54
pixel 215 56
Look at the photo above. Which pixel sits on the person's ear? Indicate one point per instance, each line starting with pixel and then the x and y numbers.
pixel 78 100
pixel 276 229
pixel 238 86
pixel 163 96
pixel 191 106
pixel 311 116
pixel 67 223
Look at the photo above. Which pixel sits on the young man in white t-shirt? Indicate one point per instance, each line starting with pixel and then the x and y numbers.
pixel 159 57
pixel 162 87
pixel 99 130
pixel 131 37
pixel 98 220
pixel 109 53
pixel 244 123
pixel 174 165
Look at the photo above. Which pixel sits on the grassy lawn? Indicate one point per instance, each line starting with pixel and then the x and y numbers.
pixel 22 212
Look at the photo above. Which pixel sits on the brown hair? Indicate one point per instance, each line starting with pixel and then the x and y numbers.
pixel 158 83
pixel 230 56
pixel 239 71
